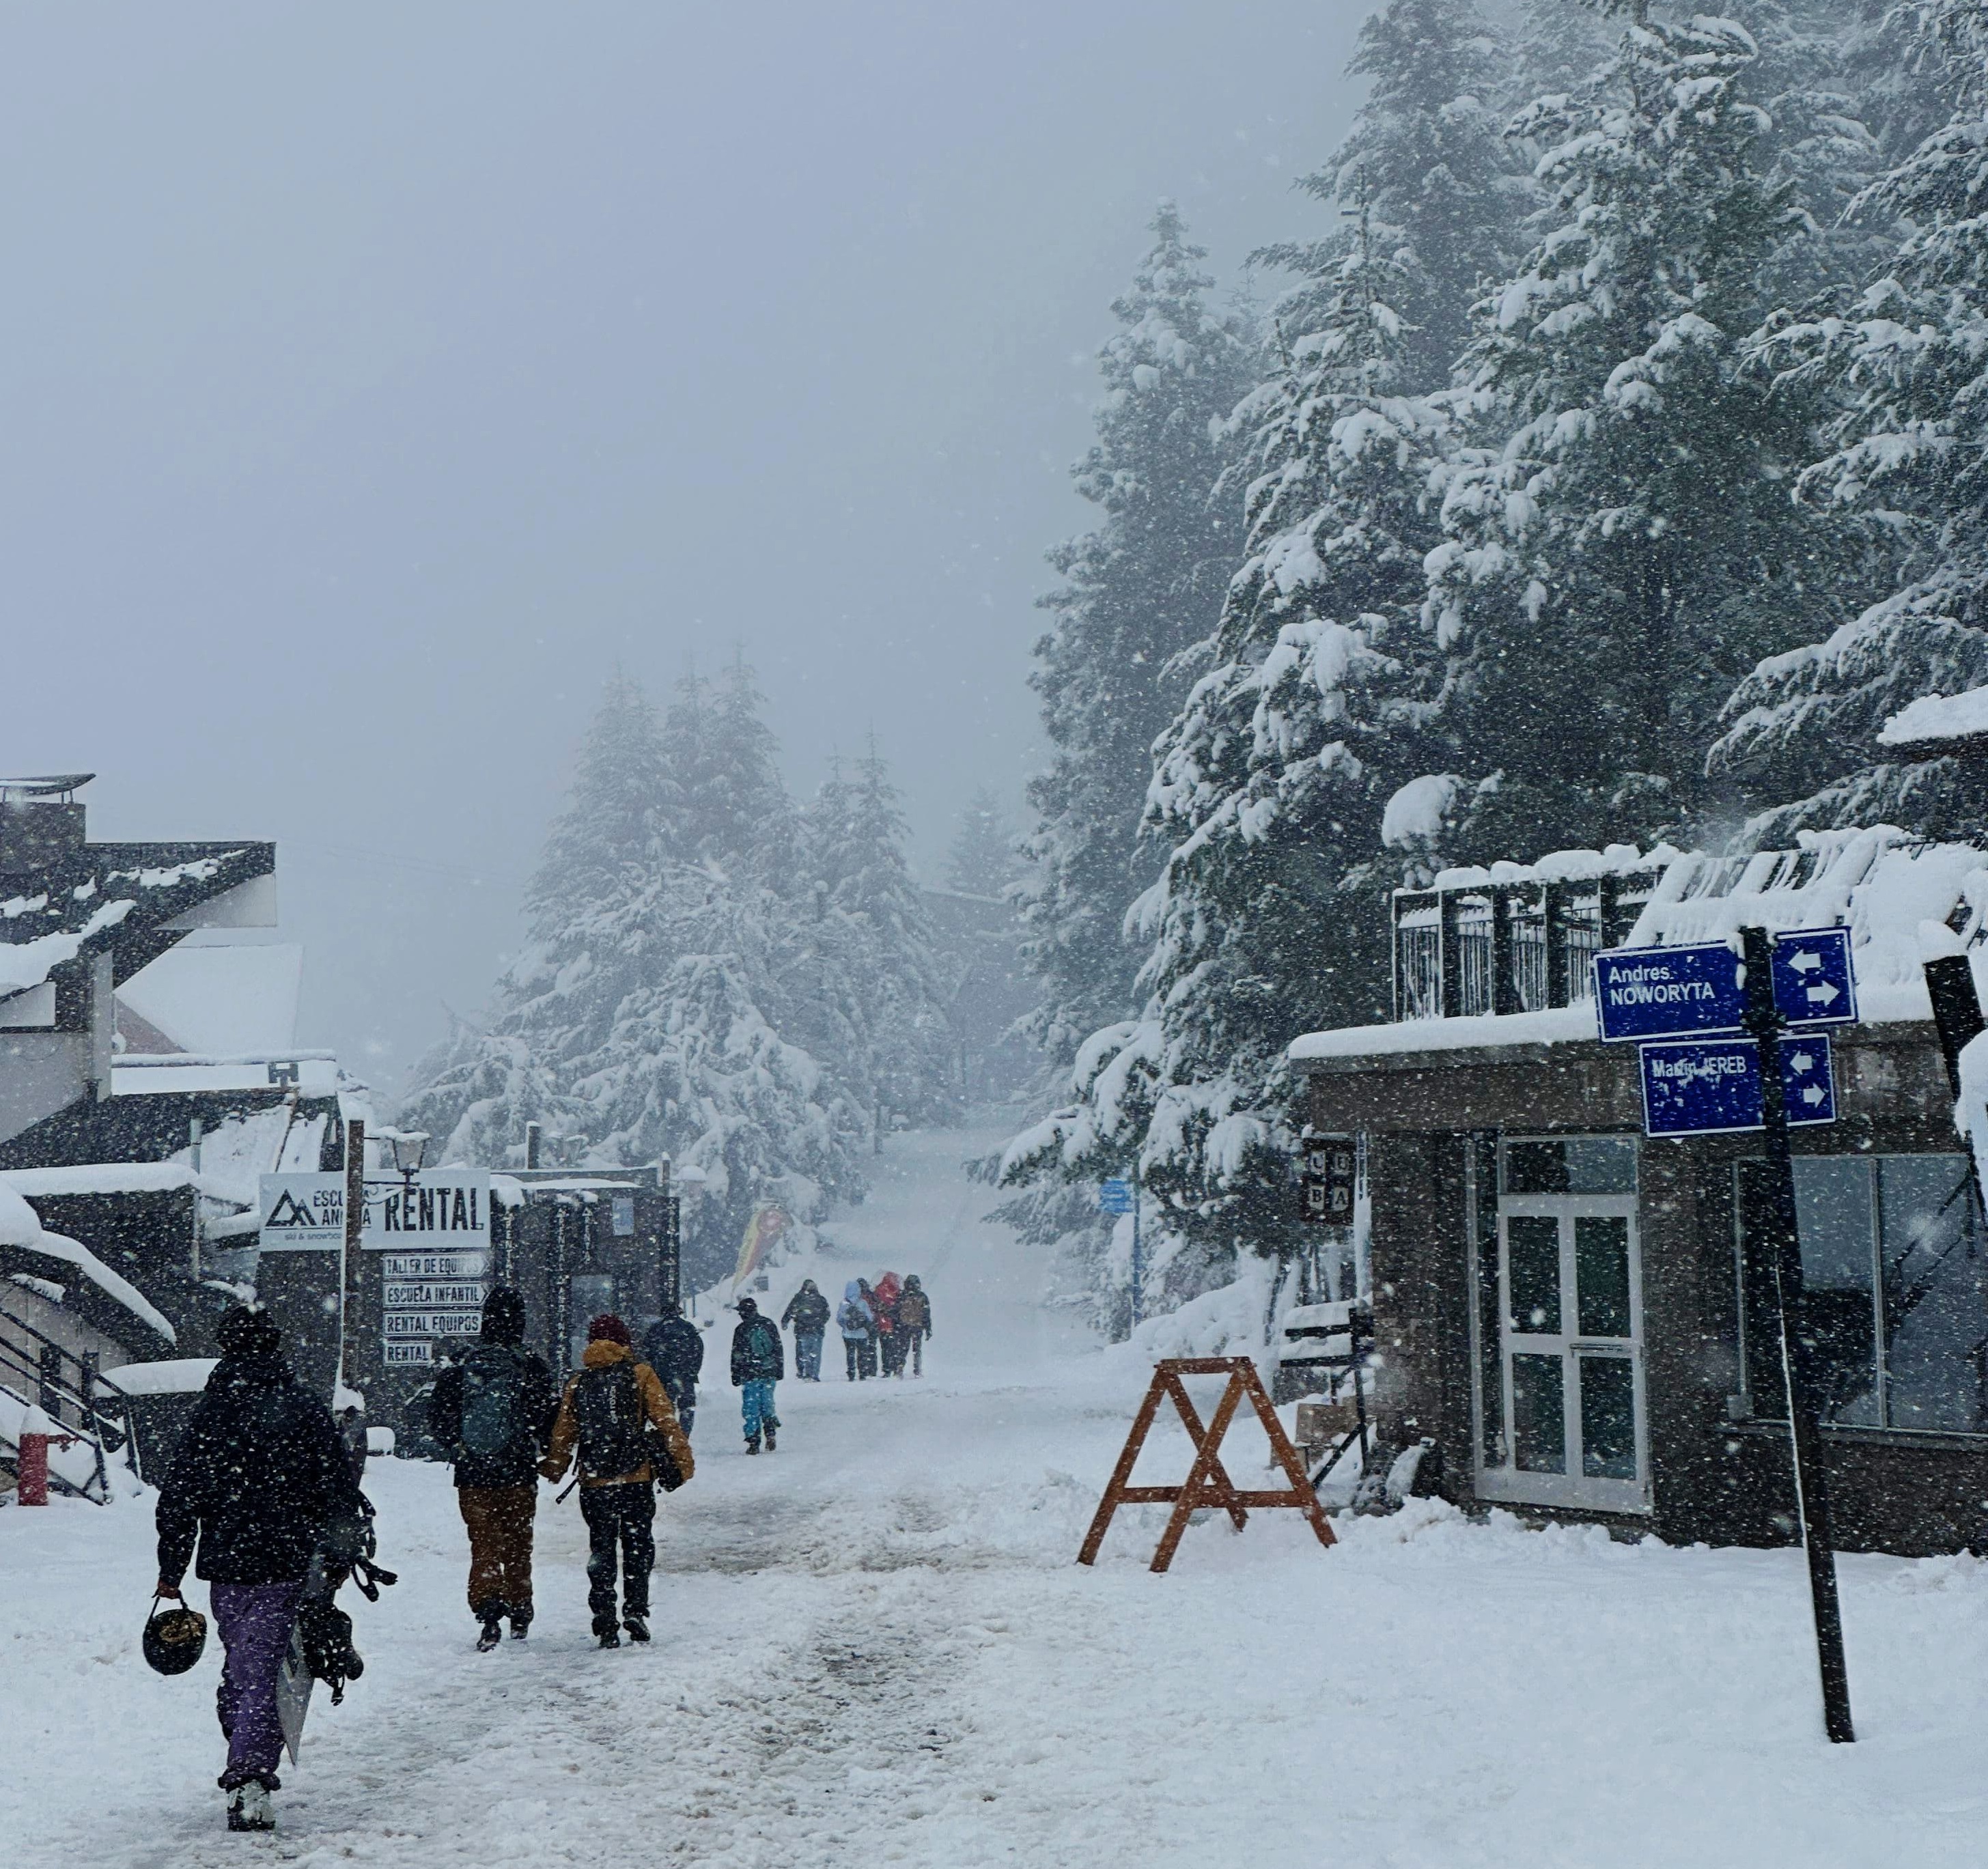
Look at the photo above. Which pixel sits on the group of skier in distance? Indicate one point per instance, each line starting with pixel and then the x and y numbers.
pixel 264 1484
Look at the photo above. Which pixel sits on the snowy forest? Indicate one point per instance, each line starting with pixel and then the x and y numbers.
pixel 711 974
pixel 1596 464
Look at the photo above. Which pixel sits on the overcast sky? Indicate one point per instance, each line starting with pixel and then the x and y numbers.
pixel 375 377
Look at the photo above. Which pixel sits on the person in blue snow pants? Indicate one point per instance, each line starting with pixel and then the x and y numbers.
pixel 758 1360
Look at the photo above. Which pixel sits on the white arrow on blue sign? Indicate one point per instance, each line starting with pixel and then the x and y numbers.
pixel 1664 992
pixel 1115 1197
pixel 1712 1086
pixel 1814 983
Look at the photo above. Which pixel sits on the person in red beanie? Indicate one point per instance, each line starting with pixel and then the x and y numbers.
pixel 602 1416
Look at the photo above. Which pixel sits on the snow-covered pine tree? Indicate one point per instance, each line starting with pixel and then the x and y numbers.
pixel 1141 586
pixel 982 859
pixel 875 946
pixel 1909 470
pixel 1621 546
pixel 586 947
pixel 1427 160
pixel 1267 918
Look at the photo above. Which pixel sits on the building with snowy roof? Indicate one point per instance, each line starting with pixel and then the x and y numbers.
pixel 1568 1309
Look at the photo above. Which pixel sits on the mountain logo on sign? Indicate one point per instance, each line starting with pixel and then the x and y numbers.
pixel 288 1211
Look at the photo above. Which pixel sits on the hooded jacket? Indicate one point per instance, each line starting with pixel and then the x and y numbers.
pixel 758 1355
pixel 913 1309
pixel 604 1354
pixel 855 1319
pixel 884 1303
pixel 258 1476
pixel 502 1343
pixel 807 1311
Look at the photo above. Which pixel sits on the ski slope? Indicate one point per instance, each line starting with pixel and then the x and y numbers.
pixel 873 1647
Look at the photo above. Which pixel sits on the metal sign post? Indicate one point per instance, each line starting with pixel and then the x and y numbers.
pixel 1764 1023
pixel 1122 1197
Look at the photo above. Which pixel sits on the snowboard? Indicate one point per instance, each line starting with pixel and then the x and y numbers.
pixel 293 1692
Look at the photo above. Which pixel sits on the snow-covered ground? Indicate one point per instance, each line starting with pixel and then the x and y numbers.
pixel 873 1647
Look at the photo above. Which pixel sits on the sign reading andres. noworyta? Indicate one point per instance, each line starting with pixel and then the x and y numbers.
pixel 1668 993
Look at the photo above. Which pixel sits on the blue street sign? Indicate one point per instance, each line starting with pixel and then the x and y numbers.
pixel 1814 983
pixel 1665 993
pixel 1115 1197
pixel 1712 1086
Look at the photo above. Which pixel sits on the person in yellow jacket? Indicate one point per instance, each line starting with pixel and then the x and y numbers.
pixel 605 1416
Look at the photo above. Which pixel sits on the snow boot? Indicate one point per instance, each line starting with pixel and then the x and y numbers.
pixel 608 1636
pixel 752 1443
pixel 770 1427
pixel 638 1627
pixel 521 1627
pixel 492 1632
pixel 248 1807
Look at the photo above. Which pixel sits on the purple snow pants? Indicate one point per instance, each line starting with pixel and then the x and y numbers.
pixel 255 1619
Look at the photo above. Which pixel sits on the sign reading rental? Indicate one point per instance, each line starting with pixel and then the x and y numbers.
pixel 445 1209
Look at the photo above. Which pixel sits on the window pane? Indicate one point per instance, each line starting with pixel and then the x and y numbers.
pixel 1491 1350
pixel 1935 1316
pixel 1534 1246
pixel 1539 1415
pixel 1573 1164
pixel 1601 1273
pixel 1607 1417
pixel 1835 1211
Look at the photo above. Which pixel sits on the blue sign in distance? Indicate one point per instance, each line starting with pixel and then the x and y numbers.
pixel 1814 983
pixel 1712 1086
pixel 1665 993
pixel 1115 1197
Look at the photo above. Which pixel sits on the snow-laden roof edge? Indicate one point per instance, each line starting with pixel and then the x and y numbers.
pixel 112 1178
pixel 73 1253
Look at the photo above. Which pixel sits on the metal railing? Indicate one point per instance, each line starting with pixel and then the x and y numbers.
pixel 1503 947
pixel 71 1392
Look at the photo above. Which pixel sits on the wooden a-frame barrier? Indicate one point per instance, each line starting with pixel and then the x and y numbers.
pixel 1208 1483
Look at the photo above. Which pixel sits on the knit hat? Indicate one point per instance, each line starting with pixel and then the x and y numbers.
pixel 747 1308
pixel 608 1328
pixel 249 1330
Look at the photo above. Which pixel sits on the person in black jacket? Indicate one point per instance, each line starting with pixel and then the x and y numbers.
pixel 758 1360
pixel 807 1311
pixel 259 1478
pixel 493 1409
pixel 674 1348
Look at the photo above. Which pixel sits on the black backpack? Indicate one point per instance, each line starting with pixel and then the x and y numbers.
pixel 493 1401
pixel 610 1412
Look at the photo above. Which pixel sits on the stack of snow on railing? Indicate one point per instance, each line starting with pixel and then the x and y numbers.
pixel 1881 882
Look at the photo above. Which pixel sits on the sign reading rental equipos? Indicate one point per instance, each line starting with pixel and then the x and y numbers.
pixel 1712 1086
pixel 442 1209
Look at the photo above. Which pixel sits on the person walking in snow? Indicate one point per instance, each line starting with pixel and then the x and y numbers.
pixel 884 1303
pixel 854 1320
pixel 867 1363
pixel 612 1413
pixel 674 1347
pixel 914 1322
pixel 260 1478
pixel 758 1360
pixel 492 1409
pixel 807 1312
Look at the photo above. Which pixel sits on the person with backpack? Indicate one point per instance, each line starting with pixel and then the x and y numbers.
pixel 807 1311
pixel 617 1418
pixel 674 1347
pixel 914 1325
pixel 758 1360
pixel 492 1409
pixel 854 1319
pixel 884 1303
pixel 261 1480
pixel 866 1363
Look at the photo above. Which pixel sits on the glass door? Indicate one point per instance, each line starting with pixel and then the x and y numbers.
pixel 1570 1330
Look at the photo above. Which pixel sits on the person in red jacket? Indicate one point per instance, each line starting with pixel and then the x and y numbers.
pixel 890 1342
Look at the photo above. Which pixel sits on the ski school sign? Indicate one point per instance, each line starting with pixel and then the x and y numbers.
pixel 446 1208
